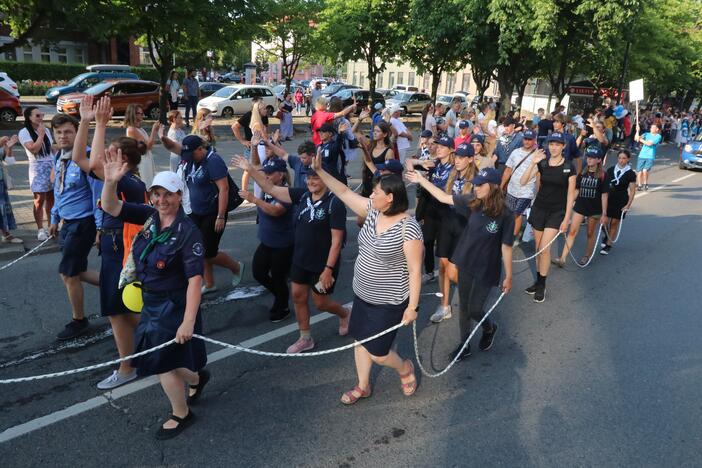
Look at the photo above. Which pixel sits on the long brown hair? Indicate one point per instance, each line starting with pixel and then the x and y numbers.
pixel 493 205
pixel 385 128
pixel 468 174
pixel 207 133
pixel 599 170
pixel 130 115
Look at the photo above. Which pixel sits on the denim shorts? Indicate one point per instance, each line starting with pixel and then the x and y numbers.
pixel 644 165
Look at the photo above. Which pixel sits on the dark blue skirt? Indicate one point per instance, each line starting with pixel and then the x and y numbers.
pixel 160 318
pixel 369 319
pixel 111 253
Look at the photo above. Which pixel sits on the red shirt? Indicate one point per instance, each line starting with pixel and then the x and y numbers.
pixel 459 140
pixel 317 120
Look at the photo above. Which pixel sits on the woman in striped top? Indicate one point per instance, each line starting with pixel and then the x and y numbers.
pixel 387 276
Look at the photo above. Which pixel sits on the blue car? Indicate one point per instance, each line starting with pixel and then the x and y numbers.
pixel 86 80
pixel 691 155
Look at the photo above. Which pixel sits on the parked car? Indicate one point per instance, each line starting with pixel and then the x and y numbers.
pixel 231 77
pixel 362 98
pixel 336 87
pixel 404 88
pixel 8 84
pixel 10 106
pixel 121 92
pixel 410 103
pixel 237 100
pixel 691 155
pixel 447 99
pixel 96 74
pixel 207 88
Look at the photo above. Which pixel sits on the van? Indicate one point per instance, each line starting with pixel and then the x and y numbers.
pixel 405 88
pixel 92 77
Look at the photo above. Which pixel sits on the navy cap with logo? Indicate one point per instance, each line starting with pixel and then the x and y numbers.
pixel 426 134
pixel 274 165
pixel 463 124
pixel 465 150
pixel 446 141
pixel 327 127
pixel 529 134
pixel 392 165
pixel 487 176
pixel 557 137
pixel 189 144
pixel 478 139
pixel 594 151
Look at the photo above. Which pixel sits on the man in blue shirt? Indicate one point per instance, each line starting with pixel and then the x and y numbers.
pixel 191 95
pixel 508 142
pixel 75 206
pixel 299 164
pixel 649 143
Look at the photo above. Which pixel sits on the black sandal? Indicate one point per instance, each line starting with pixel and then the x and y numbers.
pixel 183 423
pixel 204 378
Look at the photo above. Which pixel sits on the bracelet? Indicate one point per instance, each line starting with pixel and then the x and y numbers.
pixel 330 267
pixel 220 217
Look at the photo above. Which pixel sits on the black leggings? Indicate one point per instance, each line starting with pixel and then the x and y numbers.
pixel 271 267
pixel 472 295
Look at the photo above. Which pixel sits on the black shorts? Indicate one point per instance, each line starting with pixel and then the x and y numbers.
pixel 451 229
pixel 111 253
pixel 588 213
pixel 210 238
pixel 300 275
pixel 76 238
pixel 615 206
pixel 543 218
pixel 431 224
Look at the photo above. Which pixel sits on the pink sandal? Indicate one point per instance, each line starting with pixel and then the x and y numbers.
pixel 409 388
pixel 352 398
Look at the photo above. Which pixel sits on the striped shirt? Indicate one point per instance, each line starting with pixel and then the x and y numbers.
pixel 380 274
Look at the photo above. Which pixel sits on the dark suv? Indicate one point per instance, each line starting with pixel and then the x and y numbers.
pixel 362 98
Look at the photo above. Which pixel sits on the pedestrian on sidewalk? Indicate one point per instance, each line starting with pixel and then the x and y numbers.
pixel 133 119
pixel 191 95
pixel 484 248
pixel 320 229
pixel 168 256
pixel 39 146
pixel 299 101
pixel 176 134
pixel 389 241
pixel 75 207
pixel 7 218
pixel 173 88
pixel 286 120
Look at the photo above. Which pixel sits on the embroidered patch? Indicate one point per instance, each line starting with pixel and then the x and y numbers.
pixel 197 249
pixel 160 264
pixel 492 227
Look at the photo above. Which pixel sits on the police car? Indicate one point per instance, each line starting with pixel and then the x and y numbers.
pixel 691 155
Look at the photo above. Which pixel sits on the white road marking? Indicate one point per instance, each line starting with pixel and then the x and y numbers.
pixel 105 398
pixel 660 187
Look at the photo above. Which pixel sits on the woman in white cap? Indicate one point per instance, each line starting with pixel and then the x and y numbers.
pixel 169 262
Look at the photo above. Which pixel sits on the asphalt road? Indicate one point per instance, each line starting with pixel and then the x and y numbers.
pixel 606 372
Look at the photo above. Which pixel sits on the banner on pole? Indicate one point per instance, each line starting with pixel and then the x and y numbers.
pixel 636 90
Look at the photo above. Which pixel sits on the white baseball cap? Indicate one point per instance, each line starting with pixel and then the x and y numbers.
pixel 394 109
pixel 168 180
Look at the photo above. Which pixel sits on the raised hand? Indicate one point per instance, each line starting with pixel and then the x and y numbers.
pixel 246 195
pixel 86 109
pixel 428 164
pixel 114 167
pixel 206 123
pixel 103 111
pixel 343 127
pixel 12 141
pixel 160 130
pixel 276 136
pixel 241 162
pixel 413 176
pixel 363 115
pixel 539 156
pixel 317 161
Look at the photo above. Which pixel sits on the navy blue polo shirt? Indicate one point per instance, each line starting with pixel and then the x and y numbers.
pixel 313 224
pixel 276 231
pixel 332 157
pixel 201 177
pixel 300 170
pixel 131 189
pixel 167 266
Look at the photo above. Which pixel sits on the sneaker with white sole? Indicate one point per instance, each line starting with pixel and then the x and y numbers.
pixel 300 346
pixel 42 234
pixel 206 290
pixel 116 380
pixel 442 313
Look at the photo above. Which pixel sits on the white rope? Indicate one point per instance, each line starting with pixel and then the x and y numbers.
pixel 204 338
pixel 455 359
pixel 592 255
pixel 540 251
pixel 619 229
pixel 26 255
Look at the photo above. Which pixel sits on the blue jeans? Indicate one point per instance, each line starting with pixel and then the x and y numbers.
pixel 190 103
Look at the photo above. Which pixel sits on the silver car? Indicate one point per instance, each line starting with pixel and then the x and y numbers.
pixel 410 103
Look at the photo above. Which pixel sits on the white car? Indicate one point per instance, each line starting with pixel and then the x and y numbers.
pixel 9 85
pixel 237 100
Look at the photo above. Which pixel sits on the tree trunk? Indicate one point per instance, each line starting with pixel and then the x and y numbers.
pixel 435 81
pixel 506 88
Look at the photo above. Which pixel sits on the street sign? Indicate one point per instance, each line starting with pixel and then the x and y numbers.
pixel 636 90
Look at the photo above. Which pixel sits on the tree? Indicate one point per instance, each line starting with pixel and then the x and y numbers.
pixel 289 35
pixel 368 30
pixel 479 34
pixel 435 41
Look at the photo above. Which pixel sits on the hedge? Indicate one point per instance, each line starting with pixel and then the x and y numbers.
pixel 20 71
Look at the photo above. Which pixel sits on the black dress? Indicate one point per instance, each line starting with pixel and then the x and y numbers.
pixel 367 176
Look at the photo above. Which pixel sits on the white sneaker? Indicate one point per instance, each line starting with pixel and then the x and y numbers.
pixel 42 234
pixel 116 380
pixel 442 313
pixel 426 277
pixel 206 290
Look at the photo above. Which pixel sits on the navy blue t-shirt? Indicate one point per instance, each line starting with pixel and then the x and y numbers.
pixel 276 231
pixel 300 179
pixel 167 266
pixel 201 177
pixel 313 224
pixel 332 157
pixel 131 189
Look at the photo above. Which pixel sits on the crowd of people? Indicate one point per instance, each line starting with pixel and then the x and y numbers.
pixel 479 182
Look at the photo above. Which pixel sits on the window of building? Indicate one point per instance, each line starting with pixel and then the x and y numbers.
pixel 62 55
pixel 400 77
pixel 427 81
pixel 391 79
pixel 450 82
pixel 465 82
pixel 27 54
pixel 361 79
pixel 379 80
pixel 78 55
pixel 45 54
pixel 355 78
pixel 410 79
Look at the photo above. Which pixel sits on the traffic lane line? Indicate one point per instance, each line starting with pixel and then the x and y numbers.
pixel 142 384
pixel 660 187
